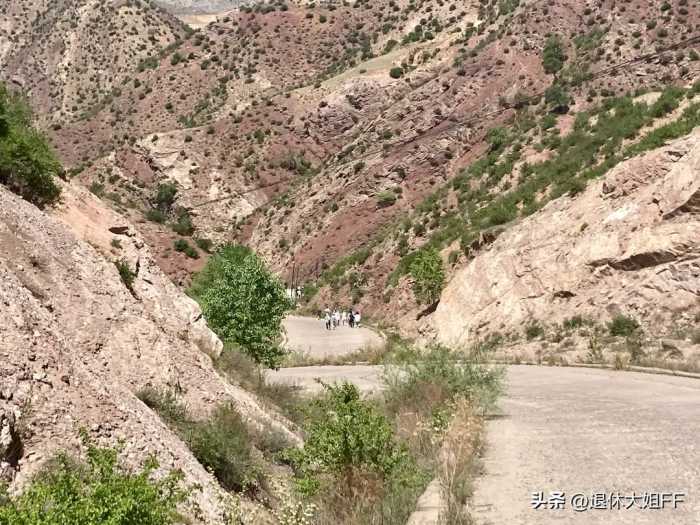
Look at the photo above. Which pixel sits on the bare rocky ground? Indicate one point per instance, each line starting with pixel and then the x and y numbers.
pixel 76 345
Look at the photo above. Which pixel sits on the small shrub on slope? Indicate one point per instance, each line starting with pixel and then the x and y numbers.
pixel 428 276
pixel 96 492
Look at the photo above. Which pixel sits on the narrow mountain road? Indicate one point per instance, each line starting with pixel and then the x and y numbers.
pixel 584 431
pixel 310 337
pixel 577 431
pixel 600 437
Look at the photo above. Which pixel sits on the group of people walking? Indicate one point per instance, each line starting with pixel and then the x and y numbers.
pixel 337 318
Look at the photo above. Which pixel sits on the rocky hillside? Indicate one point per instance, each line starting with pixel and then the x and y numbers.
pixel 73 56
pixel 306 152
pixel 78 342
pixel 628 245
pixel 340 140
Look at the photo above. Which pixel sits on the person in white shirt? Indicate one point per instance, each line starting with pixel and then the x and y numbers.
pixel 336 319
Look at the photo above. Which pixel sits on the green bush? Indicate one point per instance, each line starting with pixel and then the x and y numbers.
pixel 396 72
pixel 181 245
pixel 27 163
pixel 155 215
pixel 220 443
pixel 533 331
pixel 557 98
pixel 243 302
pixel 386 198
pixel 204 244
pixel 166 195
pixel 128 276
pixel 346 432
pixel 99 491
pixel 621 325
pixel 428 275
pixel 553 55
pixel 184 225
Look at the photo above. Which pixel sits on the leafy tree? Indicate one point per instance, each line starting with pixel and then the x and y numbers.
pixel 27 163
pixel 243 302
pixel 428 276
pixel 95 493
pixel 553 55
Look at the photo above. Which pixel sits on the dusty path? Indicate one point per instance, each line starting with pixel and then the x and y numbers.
pixel 590 431
pixel 577 430
pixel 309 336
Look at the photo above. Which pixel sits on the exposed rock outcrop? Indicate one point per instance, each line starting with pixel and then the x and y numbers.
pixel 76 344
pixel 630 243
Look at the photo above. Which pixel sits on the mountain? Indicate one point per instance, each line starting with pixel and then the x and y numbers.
pixel 516 176
pixel 71 56
pixel 342 140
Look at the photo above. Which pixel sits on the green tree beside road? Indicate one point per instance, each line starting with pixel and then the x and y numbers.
pixel 243 302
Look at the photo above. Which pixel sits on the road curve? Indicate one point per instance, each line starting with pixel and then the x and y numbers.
pixel 577 430
pixel 580 430
pixel 309 336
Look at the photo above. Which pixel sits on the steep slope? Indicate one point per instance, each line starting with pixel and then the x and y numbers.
pixel 77 344
pixel 629 244
pixel 310 130
pixel 434 121
pixel 72 56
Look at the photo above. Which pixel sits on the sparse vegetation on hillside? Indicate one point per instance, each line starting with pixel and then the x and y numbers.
pixel 27 163
pixel 221 443
pixel 601 138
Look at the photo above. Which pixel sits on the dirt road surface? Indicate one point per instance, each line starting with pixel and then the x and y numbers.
pixel 309 336
pixel 579 430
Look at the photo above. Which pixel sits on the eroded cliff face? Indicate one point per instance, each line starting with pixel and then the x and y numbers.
pixel 630 244
pixel 76 344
